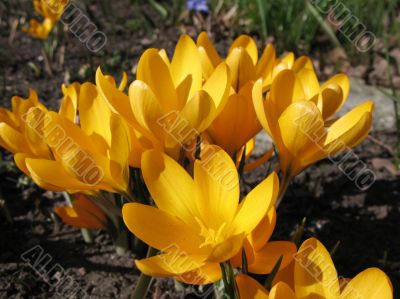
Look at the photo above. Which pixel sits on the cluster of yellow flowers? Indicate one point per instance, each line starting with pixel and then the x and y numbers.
pixel 50 11
pixel 189 125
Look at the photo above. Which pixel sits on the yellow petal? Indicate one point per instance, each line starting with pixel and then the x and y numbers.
pixel 206 274
pixel 233 61
pixel 19 160
pixel 218 85
pixel 309 82
pixel 8 117
pixel 256 204
pixel 281 291
pixel 330 99
pixel 83 214
pixel 371 283
pixel 146 108
pixel 216 185
pixel 206 65
pixel 198 114
pixel 242 68
pixel 183 89
pixel 139 144
pixel 65 137
pixel 160 229
pixel 301 63
pixel 259 104
pixel 40 30
pixel 69 104
pixel 263 231
pixel 237 260
pixel 248 44
pixel 94 113
pixel 247 70
pixel 119 151
pixel 343 81
pixel 33 131
pixel 106 175
pixel 204 42
pixel 12 140
pixel 350 129
pixel 124 82
pixel 186 62
pixel 155 73
pixel 285 90
pixel 169 264
pixel 289 59
pixel 51 173
pixel 169 184
pixel 20 108
pixel 285 275
pixel 249 288
pixel 266 258
pixel 164 57
pixel 301 126
pixel 265 66
pixel 236 124
pixel 118 100
pixel 227 249
pixel 314 272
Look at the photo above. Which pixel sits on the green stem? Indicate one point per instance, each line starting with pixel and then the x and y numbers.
pixel 218 292
pixel 231 290
pixel 87 235
pixel 46 60
pixel 242 163
pixel 282 189
pixel 263 20
pixel 144 281
pixel 121 243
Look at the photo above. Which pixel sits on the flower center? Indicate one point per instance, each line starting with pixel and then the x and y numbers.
pixel 211 236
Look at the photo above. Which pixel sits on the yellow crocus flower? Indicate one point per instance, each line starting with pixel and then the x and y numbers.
pixel 237 123
pixel 198 222
pixel 169 101
pixel 261 254
pixel 91 155
pixel 16 132
pixel 82 214
pixel 51 11
pixel 315 276
pixel 297 116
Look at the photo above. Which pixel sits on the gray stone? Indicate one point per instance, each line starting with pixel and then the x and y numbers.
pixel 263 143
pixel 384 116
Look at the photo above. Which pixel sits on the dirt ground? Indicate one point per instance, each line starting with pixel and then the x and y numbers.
pixel 367 223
